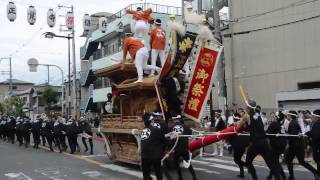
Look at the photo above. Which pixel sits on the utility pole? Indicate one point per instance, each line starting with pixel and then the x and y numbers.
pixel 74 70
pixel 69 77
pixel 10 73
pixel 221 74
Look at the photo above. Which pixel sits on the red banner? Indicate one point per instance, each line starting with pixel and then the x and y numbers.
pixel 201 82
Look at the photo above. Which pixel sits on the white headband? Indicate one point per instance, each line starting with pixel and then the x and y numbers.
pixel 250 105
pixel 234 117
pixel 291 114
pixel 315 115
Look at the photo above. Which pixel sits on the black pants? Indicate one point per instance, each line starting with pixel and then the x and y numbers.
pixel 72 140
pixel 316 157
pixel 26 138
pixel 43 138
pixel 237 158
pixel 36 138
pixel 147 164
pixel 60 141
pixel 297 151
pixel 263 148
pixel 186 157
pixel 49 138
pixel 11 135
pixel 276 155
pixel 86 146
pixel 19 135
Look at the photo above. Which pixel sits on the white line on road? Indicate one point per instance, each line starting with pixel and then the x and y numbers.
pixel 94 175
pixel 97 155
pixel 53 173
pixel 19 176
pixel 206 170
pixel 123 170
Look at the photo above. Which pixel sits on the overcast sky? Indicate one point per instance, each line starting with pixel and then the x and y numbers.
pixel 24 41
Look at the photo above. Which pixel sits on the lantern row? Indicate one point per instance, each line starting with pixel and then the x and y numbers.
pixel 51 18
pixel 32 15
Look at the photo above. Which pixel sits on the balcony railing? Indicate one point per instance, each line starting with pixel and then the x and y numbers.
pixel 156 8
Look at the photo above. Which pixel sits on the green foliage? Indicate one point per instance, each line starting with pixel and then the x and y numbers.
pixel 50 97
pixel 12 106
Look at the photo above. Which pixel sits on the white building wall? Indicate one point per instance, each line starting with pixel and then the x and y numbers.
pixel 273 60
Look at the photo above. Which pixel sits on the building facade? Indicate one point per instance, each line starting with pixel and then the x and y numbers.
pixel 33 102
pixel 272 49
pixel 17 86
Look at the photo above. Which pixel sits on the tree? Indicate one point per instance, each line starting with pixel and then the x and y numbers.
pixel 50 97
pixel 12 106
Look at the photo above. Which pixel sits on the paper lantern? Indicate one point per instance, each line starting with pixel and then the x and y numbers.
pixel 86 22
pixel 32 15
pixel 103 24
pixel 51 18
pixel 11 11
pixel 69 20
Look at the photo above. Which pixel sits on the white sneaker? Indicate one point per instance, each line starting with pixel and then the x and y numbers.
pixel 151 75
pixel 214 154
pixel 220 154
pixel 138 81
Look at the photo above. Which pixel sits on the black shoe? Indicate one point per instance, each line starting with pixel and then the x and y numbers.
pixel 269 177
pixel 86 150
pixel 316 177
pixel 91 152
pixel 290 178
pixel 240 176
pixel 51 149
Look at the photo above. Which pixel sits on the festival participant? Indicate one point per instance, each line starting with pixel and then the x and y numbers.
pixel 239 145
pixel 157 44
pixel 296 146
pixel 314 134
pixel 278 144
pixel 258 139
pixel 181 150
pixel 139 55
pixel 142 19
pixel 151 142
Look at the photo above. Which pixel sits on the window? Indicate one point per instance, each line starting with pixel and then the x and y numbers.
pixel 309 85
pixel 14 87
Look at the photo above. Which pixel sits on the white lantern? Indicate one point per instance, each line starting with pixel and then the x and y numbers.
pixel 32 15
pixel 86 22
pixel 70 20
pixel 103 24
pixel 11 11
pixel 51 18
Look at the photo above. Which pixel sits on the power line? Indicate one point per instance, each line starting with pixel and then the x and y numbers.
pixel 37 33
pixel 296 4
pixel 270 27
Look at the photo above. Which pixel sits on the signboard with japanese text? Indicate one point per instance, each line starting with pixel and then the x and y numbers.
pixel 201 81
pixel 184 46
pixel 176 59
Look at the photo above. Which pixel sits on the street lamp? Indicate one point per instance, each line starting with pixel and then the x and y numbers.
pixel 51 35
pixel 33 64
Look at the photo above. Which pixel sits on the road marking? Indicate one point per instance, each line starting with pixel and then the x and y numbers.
pixel 53 173
pixel 206 170
pixel 20 176
pixel 92 156
pixel 220 166
pixel 123 170
pixel 94 175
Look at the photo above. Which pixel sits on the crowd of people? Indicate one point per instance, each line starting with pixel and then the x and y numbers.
pixel 54 132
pixel 286 134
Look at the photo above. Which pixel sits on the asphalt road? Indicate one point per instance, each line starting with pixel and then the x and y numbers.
pixel 20 163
